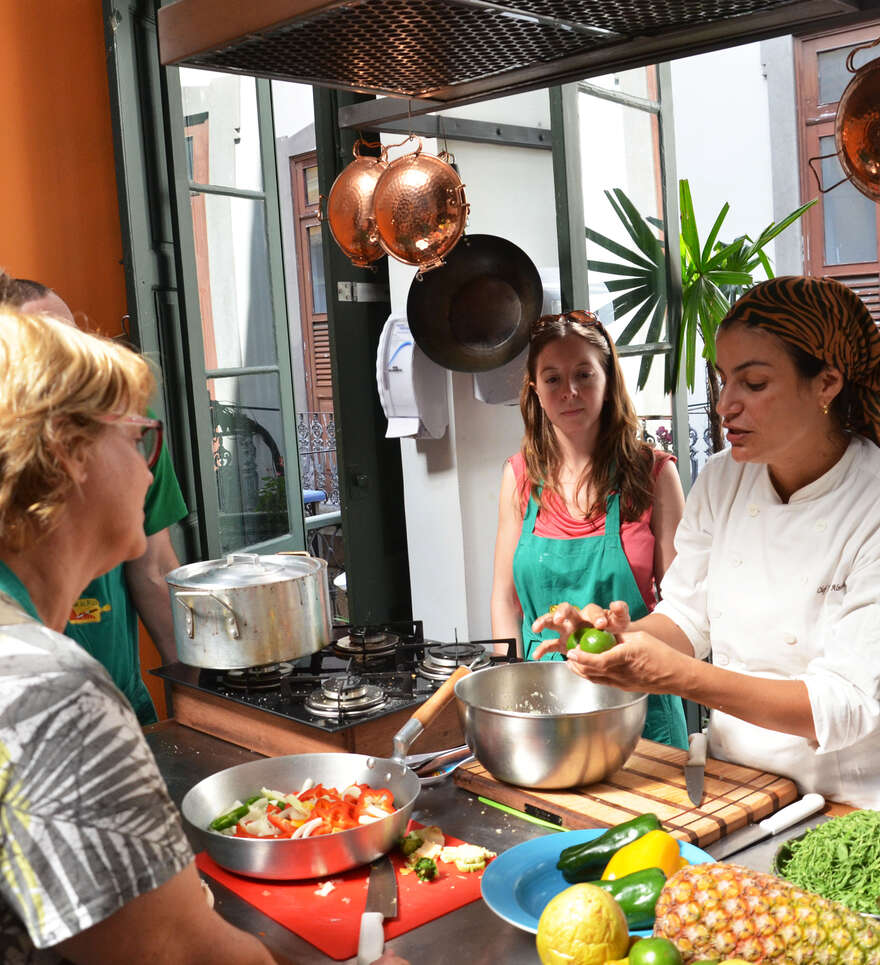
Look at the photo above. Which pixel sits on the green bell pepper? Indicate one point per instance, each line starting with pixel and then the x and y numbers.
pixel 636 894
pixel 583 862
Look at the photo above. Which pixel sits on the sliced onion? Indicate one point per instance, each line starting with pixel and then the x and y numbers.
pixel 304 830
pixel 352 791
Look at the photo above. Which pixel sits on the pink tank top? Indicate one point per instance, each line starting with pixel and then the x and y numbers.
pixel 555 522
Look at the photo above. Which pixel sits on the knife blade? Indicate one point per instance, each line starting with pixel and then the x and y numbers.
pixel 381 904
pixel 695 767
pixel 752 833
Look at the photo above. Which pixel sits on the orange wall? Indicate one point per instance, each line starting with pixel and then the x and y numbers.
pixel 59 215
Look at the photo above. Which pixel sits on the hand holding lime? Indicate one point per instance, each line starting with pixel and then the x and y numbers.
pixel 591 640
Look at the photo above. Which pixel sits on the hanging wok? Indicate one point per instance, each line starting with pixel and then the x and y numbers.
pixel 474 313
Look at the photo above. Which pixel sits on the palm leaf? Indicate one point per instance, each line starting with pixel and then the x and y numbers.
pixel 617 249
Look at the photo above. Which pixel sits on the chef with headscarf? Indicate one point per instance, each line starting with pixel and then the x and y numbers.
pixel 777 572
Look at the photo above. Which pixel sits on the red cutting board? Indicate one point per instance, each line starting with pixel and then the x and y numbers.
pixel 332 923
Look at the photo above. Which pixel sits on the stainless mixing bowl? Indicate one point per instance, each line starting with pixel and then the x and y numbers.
pixel 538 724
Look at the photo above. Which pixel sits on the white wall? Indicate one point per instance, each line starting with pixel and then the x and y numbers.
pixel 451 484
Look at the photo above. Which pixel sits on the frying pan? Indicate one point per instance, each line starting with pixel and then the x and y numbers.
pixel 326 854
pixel 538 724
pixel 474 313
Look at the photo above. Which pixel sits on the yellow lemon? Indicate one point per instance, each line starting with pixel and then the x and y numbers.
pixel 582 925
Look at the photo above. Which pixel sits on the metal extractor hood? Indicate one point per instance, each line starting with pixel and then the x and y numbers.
pixel 445 52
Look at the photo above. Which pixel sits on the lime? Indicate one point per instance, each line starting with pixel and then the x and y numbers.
pixel 654 951
pixel 582 925
pixel 591 640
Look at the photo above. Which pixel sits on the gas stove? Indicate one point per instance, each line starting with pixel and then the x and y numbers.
pixel 353 695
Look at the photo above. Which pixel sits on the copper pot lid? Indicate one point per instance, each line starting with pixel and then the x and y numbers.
pixel 419 209
pixel 350 207
pixel 474 314
pixel 857 128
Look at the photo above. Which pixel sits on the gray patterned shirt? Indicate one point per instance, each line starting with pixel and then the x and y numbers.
pixel 86 823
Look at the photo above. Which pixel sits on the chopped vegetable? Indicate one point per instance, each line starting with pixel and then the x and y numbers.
pixel 840 860
pixel 432 843
pixel 410 842
pixel 467 857
pixel 426 869
pixel 313 810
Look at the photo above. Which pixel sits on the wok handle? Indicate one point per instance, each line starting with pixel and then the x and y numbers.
pixel 440 698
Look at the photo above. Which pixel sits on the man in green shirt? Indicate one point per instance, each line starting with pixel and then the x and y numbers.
pixel 104 620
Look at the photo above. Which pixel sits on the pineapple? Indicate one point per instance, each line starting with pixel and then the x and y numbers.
pixel 717 911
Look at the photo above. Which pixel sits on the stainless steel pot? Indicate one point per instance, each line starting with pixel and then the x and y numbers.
pixel 325 854
pixel 538 724
pixel 247 610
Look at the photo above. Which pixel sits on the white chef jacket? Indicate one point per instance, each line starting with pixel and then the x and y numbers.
pixel 790 591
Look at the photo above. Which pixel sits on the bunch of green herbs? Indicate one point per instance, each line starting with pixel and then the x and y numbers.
pixel 840 860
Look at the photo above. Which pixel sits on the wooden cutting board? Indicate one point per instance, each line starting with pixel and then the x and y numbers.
pixel 652 780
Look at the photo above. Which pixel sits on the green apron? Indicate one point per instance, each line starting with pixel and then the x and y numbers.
pixel 592 569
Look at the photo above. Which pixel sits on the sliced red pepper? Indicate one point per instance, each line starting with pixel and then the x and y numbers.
pixel 284 826
pixel 381 798
pixel 242 832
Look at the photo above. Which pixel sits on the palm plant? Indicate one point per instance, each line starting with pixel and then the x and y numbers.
pixel 713 275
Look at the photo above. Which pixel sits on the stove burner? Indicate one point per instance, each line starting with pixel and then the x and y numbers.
pixel 367 642
pixel 441 659
pixel 267 677
pixel 345 694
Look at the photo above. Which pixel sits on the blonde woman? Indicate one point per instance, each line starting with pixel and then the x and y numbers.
pixel 96 867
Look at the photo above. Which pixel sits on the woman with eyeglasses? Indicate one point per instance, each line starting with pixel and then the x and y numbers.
pixel 777 574
pixel 96 867
pixel 587 510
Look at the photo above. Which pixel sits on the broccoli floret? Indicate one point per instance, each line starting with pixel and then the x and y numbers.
pixel 409 843
pixel 426 869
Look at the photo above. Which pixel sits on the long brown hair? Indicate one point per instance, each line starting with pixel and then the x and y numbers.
pixel 621 461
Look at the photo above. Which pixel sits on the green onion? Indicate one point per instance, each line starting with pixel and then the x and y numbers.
pixel 840 860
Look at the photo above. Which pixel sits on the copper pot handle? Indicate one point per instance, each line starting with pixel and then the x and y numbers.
pixel 853 52
pixel 817 176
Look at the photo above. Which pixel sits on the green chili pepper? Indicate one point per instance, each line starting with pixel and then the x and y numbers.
pixel 636 894
pixel 583 862
pixel 232 817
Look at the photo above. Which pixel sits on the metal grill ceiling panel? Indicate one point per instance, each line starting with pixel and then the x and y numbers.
pixel 452 51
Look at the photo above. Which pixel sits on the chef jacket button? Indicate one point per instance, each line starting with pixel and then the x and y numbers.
pixel 721 659
pixel 821 525
pixel 735 561
pixel 753 510
pixel 789 638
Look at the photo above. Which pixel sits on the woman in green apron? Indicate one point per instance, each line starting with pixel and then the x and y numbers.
pixel 587 511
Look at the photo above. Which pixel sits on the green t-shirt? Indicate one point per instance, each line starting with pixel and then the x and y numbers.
pixel 104 621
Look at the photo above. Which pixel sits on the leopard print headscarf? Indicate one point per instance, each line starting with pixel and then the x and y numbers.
pixel 826 319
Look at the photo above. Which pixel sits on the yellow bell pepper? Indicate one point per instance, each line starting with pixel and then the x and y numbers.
pixel 656 849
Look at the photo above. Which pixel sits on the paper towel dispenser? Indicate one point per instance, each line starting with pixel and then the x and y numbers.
pixel 412 388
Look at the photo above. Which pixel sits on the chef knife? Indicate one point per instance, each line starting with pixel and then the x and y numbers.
pixel 752 833
pixel 381 904
pixel 695 767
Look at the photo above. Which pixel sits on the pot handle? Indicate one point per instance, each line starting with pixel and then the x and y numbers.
pixel 816 175
pixel 190 618
pixel 425 714
pixel 853 52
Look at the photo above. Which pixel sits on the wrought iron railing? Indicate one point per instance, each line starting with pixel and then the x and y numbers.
pixel 657 430
pixel 316 439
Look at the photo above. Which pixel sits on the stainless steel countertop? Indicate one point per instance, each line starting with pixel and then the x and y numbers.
pixel 186 756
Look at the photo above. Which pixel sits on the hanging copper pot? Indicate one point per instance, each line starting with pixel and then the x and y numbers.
pixel 419 209
pixel 350 207
pixel 857 128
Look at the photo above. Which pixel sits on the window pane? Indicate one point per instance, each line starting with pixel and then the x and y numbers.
pixel 227 107
pixel 833 75
pixel 232 262
pixel 635 82
pixel 310 180
pixel 248 449
pixel 316 258
pixel 850 217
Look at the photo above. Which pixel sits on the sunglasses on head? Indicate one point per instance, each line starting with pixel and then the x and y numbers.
pixel 150 440
pixel 579 315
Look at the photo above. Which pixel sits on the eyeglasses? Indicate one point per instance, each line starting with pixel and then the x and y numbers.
pixel 579 315
pixel 150 440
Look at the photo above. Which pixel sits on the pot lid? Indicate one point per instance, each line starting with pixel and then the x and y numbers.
pixel 244 569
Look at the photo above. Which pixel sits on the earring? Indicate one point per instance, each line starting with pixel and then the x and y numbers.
pixel 825 409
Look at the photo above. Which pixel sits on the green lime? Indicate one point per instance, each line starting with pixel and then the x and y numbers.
pixel 654 951
pixel 591 640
